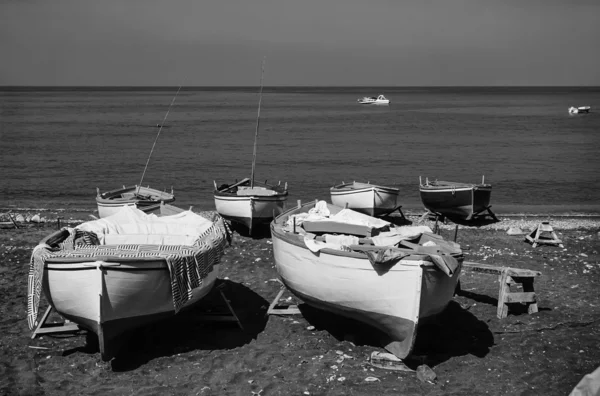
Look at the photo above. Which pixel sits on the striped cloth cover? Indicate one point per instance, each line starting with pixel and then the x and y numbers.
pixel 188 265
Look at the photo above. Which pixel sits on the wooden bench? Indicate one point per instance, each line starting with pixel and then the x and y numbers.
pixel 508 277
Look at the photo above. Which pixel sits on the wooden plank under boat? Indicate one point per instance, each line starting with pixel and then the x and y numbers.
pixel 367 198
pixel 249 205
pixel 392 287
pixel 144 198
pixel 124 271
pixel 459 201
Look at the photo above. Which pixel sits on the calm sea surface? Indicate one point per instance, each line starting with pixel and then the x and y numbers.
pixel 59 145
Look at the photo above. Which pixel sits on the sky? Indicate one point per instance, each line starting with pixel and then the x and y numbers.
pixel 303 42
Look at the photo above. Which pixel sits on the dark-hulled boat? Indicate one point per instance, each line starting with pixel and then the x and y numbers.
pixel 459 201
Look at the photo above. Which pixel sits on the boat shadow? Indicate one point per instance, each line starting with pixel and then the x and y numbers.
pixel 455 332
pixel 261 231
pixel 208 325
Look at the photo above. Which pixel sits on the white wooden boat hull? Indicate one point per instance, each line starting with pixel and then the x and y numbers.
pixel 112 299
pixel 370 199
pixel 250 211
pixel 345 283
pixel 111 202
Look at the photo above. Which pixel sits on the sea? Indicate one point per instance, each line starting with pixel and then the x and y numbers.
pixel 60 145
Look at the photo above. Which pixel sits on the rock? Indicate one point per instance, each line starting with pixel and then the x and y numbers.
pixel 515 231
pixel 426 374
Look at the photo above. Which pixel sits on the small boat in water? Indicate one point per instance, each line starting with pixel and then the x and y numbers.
pixel 144 198
pixel 124 271
pixel 366 198
pixel 373 100
pixel 361 267
pixel 457 201
pixel 250 204
pixel 580 109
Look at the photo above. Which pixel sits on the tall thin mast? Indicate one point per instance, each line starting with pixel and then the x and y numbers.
pixel 157 135
pixel 262 72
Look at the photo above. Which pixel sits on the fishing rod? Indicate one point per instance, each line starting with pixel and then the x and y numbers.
pixel 262 72
pixel 156 139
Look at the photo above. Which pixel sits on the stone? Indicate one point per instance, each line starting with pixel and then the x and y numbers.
pixel 426 374
pixel 515 231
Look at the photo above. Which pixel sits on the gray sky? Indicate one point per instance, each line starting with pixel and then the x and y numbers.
pixel 306 42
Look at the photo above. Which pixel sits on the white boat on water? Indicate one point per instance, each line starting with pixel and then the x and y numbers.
pixel 361 267
pixel 366 198
pixel 580 109
pixel 373 100
pixel 127 270
pixel 144 198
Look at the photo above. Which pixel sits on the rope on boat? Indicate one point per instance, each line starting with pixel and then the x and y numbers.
pixel 262 72
pixel 156 139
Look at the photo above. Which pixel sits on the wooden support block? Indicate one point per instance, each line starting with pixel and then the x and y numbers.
pixel 543 235
pixel 53 328
pixel 289 310
pixel 229 316
pixel 510 277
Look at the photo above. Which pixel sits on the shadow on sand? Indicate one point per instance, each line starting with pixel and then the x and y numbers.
pixel 261 231
pixel 190 329
pixel 455 332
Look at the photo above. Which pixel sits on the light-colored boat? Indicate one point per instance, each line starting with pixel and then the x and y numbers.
pixel 124 271
pixel 367 198
pixel 381 99
pixel 248 202
pixel 144 198
pixel 580 109
pixel 361 267
pixel 250 205
pixel 457 201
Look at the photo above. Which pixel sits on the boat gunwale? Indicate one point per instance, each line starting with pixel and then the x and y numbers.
pixel 160 195
pixel 346 188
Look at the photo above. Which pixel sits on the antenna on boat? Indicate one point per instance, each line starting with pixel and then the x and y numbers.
pixel 262 72
pixel 157 135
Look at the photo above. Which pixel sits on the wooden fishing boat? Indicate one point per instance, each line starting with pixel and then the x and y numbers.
pixel 250 205
pixel 249 202
pixel 144 198
pixel 457 201
pixel 118 273
pixel 361 267
pixel 366 198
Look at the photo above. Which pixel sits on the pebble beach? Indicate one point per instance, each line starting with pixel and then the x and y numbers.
pixel 470 351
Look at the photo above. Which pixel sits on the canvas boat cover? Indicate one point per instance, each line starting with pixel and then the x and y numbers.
pixel 190 243
pixel 393 241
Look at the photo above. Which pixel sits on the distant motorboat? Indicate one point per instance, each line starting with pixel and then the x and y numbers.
pixel 374 100
pixel 580 109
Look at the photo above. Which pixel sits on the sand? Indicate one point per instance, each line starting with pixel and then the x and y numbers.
pixel 471 351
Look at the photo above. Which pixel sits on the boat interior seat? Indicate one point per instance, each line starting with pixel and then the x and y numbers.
pixel 245 191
